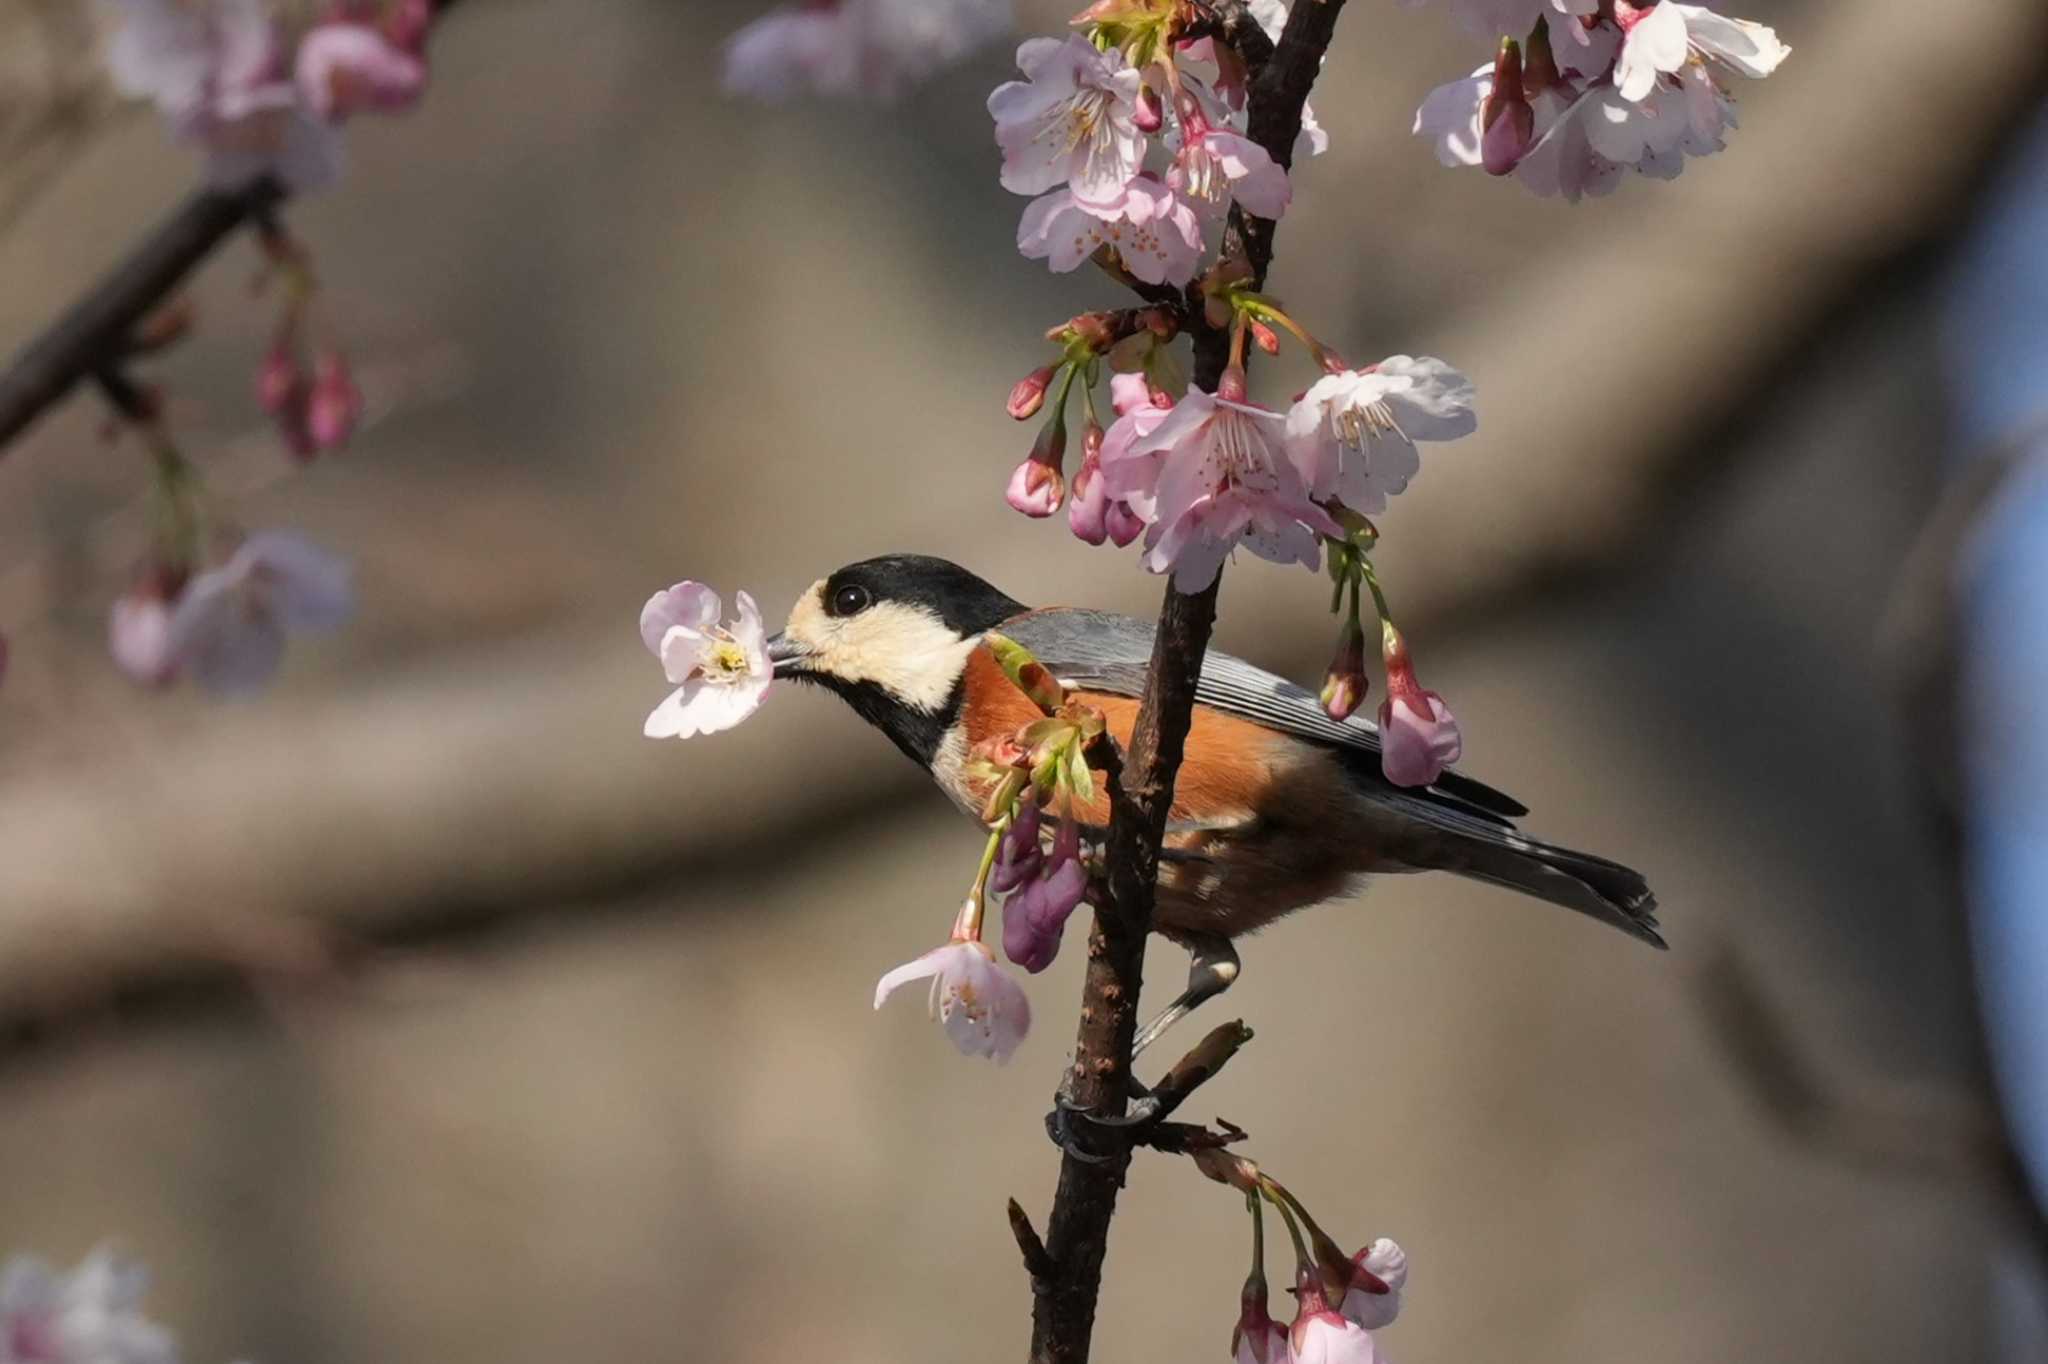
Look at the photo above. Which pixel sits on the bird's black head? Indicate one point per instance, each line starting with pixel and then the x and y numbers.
pixel 892 636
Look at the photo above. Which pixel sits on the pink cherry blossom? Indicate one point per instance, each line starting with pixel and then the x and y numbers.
pixel 139 633
pixel 334 404
pixel 1386 1261
pixel 1321 1336
pixel 984 1011
pixel 1216 165
pixel 93 1315
pixel 228 628
pixel 1418 734
pixel 866 49
pixel 1271 16
pixel 347 68
pixel 220 74
pixel 1210 474
pixel 1257 1338
pixel 1129 392
pixel 1352 434
pixel 1152 229
pixel 1070 122
pixel 721 672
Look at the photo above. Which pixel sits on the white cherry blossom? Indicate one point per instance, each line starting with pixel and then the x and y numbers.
pixel 1352 435
pixel 1151 227
pixel 93 1315
pixel 721 672
pixel 862 49
pixel 228 629
pixel 1663 39
pixel 985 1012
pixel 1070 121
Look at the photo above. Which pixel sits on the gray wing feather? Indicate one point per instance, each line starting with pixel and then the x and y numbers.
pixel 1103 651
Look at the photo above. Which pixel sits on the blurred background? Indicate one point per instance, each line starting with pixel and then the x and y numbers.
pixel 423 1011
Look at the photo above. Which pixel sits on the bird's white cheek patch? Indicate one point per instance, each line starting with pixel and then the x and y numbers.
pixel 905 650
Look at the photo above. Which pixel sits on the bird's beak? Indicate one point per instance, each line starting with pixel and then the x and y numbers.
pixel 785 653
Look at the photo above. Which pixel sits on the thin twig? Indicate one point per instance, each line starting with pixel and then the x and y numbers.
pixel 1037 1263
pixel 1141 795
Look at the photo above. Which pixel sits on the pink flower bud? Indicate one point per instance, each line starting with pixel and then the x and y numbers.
pixel 1418 734
pixel 1019 856
pixel 1035 914
pixel 1088 503
pixel 1123 524
pixel 1346 684
pixel 280 380
pixel 346 68
pixel 334 405
pixel 1038 485
pixel 1539 65
pixel 1029 393
pixel 1509 121
pixel 1128 392
pixel 406 24
pixel 1150 114
pixel 1264 337
pixel 139 630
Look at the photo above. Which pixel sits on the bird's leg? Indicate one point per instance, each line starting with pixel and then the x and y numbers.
pixel 1212 966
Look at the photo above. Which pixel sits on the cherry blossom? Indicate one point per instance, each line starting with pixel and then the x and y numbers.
pixel 228 628
pixel 1257 1338
pixel 1345 682
pixel 1603 101
pixel 93 1315
pixel 1210 474
pixel 139 632
pixel 1070 122
pixel 333 403
pixel 1419 736
pixel 1386 1261
pixel 344 68
pixel 1271 17
pixel 1321 1336
pixel 984 1011
pixel 1353 434
pixel 1662 39
pixel 1150 226
pixel 721 672
pixel 872 49
pixel 1216 165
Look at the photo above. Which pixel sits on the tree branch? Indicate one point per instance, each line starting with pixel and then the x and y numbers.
pixel 1077 1234
pixel 94 331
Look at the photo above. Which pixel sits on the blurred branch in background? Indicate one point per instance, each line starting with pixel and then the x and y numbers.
pixel 425 760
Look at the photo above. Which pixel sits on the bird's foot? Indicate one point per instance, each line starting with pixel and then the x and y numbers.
pixel 1069 1120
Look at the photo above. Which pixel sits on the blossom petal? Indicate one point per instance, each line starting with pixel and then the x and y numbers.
pixel 1655 46
pixel 688 603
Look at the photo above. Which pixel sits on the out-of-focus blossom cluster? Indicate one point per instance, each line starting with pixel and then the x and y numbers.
pixel 261 92
pixel 1132 143
pixel 872 49
pixel 93 1315
pixel 1579 93
pixel 225 627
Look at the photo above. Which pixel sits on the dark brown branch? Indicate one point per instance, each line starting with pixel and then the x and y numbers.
pixel 1077 1234
pixel 96 330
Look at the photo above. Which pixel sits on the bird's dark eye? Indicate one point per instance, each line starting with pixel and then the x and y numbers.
pixel 850 600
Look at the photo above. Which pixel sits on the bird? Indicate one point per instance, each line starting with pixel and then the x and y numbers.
pixel 1277 806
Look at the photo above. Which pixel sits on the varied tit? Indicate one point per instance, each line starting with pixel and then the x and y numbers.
pixel 1277 805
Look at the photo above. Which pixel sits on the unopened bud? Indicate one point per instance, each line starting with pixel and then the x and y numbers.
pixel 1508 120
pixel 1029 393
pixel 1150 115
pixel 335 404
pixel 1227 1167
pixel 1264 337
pixel 1539 64
pixel 280 380
pixel 1122 523
pixel 1345 685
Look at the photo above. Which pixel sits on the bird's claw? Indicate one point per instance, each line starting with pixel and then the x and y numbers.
pixel 1067 1117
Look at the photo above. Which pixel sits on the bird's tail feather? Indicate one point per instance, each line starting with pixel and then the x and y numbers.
pixel 1593 886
